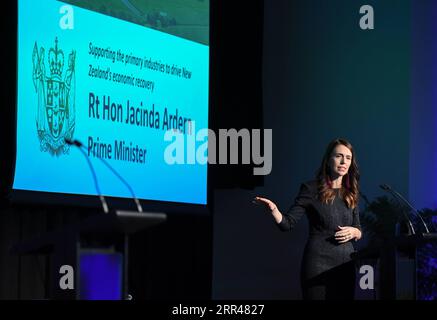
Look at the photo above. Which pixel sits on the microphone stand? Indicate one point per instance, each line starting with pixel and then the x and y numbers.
pixel 80 145
pixel 389 190
pixel 405 201
pixel 413 209
pixel 93 172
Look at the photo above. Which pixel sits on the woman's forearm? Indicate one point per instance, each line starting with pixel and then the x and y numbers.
pixel 277 215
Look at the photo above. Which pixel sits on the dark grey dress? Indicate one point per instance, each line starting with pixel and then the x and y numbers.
pixel 327 271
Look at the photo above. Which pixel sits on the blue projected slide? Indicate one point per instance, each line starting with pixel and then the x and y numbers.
pixel 116 86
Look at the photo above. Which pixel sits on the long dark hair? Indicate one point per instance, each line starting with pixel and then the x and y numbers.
pixel 350 189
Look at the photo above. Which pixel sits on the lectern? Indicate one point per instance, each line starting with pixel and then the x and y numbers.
pixel 108 232
pixel 398 264
pixel 406 267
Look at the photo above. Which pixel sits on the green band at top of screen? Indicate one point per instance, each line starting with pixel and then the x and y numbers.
pixel 188 19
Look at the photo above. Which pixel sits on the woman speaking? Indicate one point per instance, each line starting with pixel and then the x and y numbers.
pixel 331 206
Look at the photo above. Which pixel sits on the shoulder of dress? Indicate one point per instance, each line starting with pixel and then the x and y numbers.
pixel 311 185
pixel 310 188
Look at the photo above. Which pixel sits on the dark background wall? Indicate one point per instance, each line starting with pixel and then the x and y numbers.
pixel 324 78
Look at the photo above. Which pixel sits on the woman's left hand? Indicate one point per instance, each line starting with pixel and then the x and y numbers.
pixel 345 234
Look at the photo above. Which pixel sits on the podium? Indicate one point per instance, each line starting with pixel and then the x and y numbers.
pixel 407 263
pixel 97 233
pixel 398 264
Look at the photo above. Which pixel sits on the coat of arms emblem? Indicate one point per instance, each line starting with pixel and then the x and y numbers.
pixel 55 120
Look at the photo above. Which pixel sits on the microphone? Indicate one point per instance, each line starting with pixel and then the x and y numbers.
pixel 90 165
pixel 399 196
pixel 388 189
pixel 81 147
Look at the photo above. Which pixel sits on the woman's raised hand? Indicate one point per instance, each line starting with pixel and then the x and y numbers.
pixel 269 204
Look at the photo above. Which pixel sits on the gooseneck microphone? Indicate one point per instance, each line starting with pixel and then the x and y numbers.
pixel 399 196
pixel 388 189
pixel 90 165
pixel 81 147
